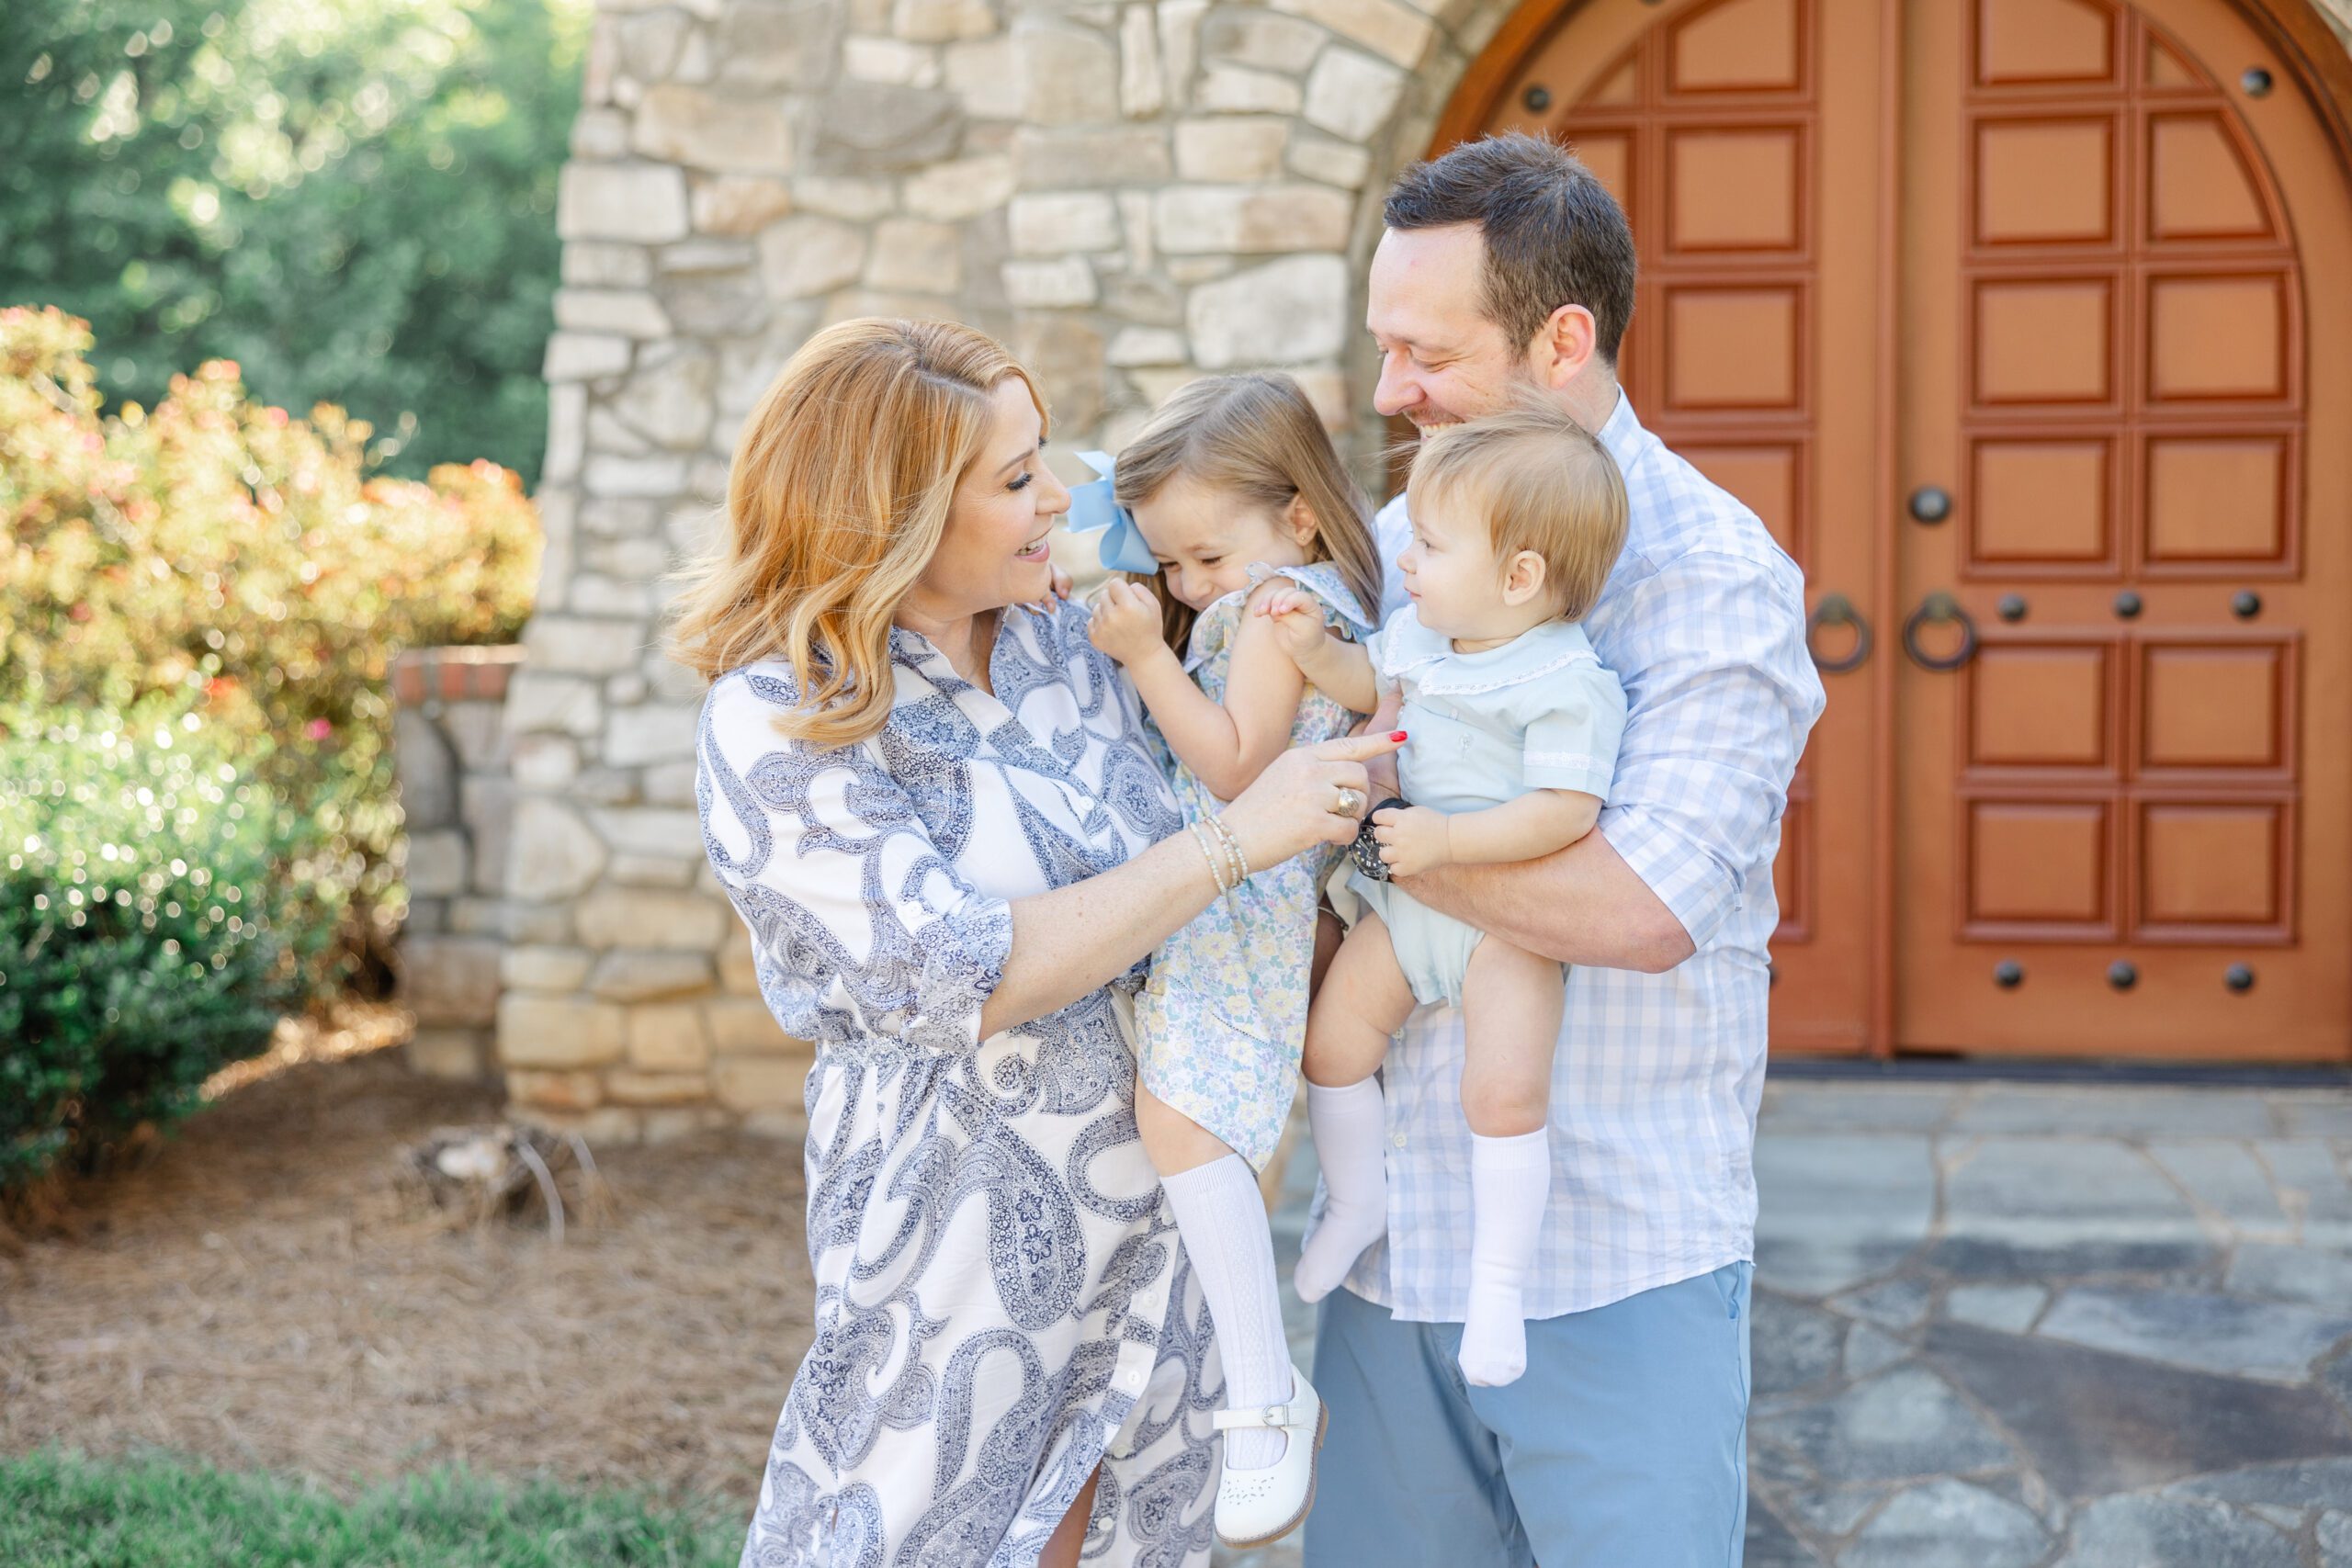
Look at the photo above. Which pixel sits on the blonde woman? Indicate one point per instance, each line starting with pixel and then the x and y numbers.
pixel 934 808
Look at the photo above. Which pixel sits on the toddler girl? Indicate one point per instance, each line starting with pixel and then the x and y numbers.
pixel 1237 495
pixel 1514 726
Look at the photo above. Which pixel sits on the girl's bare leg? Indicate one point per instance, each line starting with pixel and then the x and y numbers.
pixel 1512 1005
pixel 1062 1546
pixel 1363 1000
pixel 1174 1141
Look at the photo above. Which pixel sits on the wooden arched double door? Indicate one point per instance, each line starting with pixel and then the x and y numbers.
pixel 2025 325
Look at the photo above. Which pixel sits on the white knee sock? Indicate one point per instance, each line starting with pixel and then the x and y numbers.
pixel 1223 1221
pixel 1510 1183
pixel 1351 1128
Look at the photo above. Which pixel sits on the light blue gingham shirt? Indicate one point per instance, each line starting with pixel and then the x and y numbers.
pixel 1656 1081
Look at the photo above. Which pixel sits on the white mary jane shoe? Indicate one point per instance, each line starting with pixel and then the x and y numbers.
pixel 1254 1506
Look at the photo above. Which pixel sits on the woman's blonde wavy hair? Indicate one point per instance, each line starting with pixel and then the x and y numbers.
pixel 838 497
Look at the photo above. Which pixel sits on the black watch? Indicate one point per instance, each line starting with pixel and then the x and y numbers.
pixel 1365 851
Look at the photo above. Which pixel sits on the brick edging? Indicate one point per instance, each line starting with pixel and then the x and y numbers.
pixel 454 675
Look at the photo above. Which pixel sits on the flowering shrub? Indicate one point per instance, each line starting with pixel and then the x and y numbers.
pixel 352 198
pixel 156 905
pixel 225 550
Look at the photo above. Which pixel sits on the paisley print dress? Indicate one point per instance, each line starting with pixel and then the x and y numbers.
pixel 1002 1302
pixel 1219 1028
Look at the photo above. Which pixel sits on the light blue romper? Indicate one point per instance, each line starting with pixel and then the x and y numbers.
pixel 1222 1020
pixel 1541 712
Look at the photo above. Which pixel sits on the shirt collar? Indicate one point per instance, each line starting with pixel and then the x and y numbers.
pixel 915 649
pixel 1623 434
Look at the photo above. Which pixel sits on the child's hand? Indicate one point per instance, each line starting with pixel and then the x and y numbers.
pixel 1298 621
pixel 1125 624
pixel 1413 839
pixel 1062 584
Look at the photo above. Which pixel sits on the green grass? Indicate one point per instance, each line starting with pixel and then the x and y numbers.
pixel 58 1510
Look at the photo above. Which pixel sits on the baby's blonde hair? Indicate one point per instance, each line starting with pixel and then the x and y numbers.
pixel 1257 435
pixel 1539 481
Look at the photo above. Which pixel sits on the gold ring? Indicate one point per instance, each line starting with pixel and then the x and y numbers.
pixel 1350 803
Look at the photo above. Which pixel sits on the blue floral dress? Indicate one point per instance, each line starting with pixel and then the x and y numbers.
pixel 1219 1028
pixel 1001 1300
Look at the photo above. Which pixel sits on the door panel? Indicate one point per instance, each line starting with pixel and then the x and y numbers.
pixel 2121 808
pixel 1742 137
pixel 2112 805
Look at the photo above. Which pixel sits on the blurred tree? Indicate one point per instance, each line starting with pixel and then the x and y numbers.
pixel 354 199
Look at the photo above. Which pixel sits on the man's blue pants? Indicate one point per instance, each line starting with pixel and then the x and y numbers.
pixel 1622 1445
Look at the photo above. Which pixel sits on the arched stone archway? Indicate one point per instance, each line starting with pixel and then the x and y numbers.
pixel 1130 191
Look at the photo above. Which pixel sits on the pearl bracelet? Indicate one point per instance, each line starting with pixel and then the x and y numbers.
pixel 1218 870
pixel 1239 862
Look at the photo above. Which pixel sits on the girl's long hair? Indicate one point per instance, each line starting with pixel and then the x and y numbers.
pixel 838 497
pixel 1257 435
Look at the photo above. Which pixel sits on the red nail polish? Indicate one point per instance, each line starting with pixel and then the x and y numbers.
pixel 1395 735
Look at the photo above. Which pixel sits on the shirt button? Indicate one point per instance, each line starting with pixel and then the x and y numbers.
pixel 1397 1139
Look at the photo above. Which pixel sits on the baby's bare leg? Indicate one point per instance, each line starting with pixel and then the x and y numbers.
pixel 1511 1003
pixel 1363 1000
pixel 1510 1019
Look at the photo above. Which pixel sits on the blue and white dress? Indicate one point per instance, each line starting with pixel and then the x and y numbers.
pixel 1001 1302
pixel 1219 1028
pixel 1540 711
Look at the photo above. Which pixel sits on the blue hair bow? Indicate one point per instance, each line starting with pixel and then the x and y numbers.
pixel 1092 506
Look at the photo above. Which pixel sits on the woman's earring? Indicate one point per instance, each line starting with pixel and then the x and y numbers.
pixel 1303 526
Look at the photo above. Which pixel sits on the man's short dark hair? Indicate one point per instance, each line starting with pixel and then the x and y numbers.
pixel 1555 235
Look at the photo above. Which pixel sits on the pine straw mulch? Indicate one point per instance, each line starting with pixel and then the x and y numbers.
pixel 263 1292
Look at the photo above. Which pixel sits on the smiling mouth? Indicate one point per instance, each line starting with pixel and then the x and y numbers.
pixel 1038 548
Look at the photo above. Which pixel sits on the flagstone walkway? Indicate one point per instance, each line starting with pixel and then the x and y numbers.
pixel 2003 1325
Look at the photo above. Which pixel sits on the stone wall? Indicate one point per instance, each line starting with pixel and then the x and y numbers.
pixel 450 753
pixel 1128 194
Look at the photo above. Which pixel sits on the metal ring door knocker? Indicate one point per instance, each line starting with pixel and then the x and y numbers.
pixel 1936 608
pixel 1835 611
